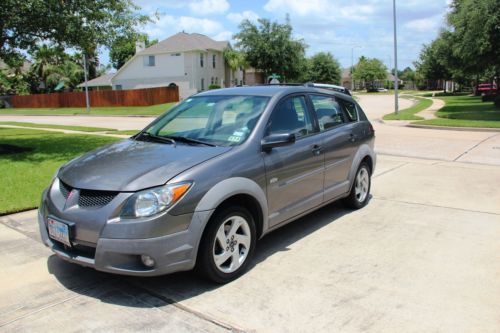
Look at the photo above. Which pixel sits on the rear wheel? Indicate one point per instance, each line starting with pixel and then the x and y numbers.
pixel 360 191
pixel 227 245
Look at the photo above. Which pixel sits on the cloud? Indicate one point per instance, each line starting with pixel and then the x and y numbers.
pixel 207 7
pixel 168 25
pixel 224 35
pixel 299 7
pixel 236 18
pixel 424 24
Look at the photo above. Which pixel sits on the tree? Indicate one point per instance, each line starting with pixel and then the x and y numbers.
pixel 324 68
pixel 44 57
pixel 476 28
pixel 235 60
pixel 269 46
pixel 69 73
pixel 369 71
pixel 123 48
pixel 85 25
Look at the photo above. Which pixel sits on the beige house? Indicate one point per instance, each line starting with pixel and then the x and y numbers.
pixel 191 61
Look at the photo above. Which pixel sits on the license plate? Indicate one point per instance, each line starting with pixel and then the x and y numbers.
pixel 58 231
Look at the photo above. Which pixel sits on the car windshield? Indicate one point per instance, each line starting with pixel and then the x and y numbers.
pixel 212 120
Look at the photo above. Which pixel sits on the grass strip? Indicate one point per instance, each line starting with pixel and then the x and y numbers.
pixel 409 113
pixel 152 110
pixel 26 174
pixel 63 127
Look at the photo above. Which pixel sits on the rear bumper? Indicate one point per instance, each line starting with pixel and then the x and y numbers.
pixel 172 253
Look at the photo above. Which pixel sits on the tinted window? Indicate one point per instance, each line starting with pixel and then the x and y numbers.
pixel 350 110
pixel 221 120
pixel 328 111
pixel 290 116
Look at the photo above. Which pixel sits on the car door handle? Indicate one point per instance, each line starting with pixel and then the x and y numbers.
pixel 353 137
pixel 316 149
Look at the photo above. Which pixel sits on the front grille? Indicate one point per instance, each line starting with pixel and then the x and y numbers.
pixel 92 198
pixel 65 189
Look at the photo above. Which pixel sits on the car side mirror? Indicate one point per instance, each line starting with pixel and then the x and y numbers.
pixel 277 140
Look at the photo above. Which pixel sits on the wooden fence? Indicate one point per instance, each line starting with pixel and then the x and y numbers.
pixel 135 97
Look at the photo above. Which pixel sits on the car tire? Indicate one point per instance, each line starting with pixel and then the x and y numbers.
pixel 360 190
pixel 227 246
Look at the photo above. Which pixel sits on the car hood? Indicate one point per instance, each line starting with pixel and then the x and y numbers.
pixel 134 165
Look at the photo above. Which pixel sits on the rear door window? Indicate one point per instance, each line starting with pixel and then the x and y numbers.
pixel 350 110
pixel 328 112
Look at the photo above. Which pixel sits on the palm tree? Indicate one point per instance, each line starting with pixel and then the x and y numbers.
pixel 44 57
pixel 68 73
pixel 235 60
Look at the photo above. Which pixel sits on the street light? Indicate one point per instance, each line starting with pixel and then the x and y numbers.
pixel 352 64
pixel 396 106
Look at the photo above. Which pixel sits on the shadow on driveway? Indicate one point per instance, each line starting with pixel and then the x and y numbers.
pixel 173 288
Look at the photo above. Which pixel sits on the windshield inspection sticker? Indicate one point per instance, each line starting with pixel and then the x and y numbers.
pixel 238 133
pixel 234 138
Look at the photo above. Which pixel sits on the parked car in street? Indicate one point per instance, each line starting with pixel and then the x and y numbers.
pixel 203 182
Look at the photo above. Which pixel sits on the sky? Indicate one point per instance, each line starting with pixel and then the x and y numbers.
pixel 348 29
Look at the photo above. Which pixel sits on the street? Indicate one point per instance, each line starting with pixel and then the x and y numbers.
pixel 423 255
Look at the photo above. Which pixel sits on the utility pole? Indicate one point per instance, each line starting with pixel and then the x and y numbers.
pixel 396 106
pixel 87 101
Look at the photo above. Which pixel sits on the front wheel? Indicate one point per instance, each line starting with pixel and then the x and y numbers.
pixel 227 245
pixel 360 191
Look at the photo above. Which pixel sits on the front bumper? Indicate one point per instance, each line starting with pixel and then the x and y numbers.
pixel 171 252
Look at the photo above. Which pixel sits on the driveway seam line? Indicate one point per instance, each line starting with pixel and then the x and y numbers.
pixel 436 206
pixel 392 169
pixel 475 146
pixel 172 302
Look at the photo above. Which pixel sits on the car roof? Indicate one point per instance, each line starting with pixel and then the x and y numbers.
pixel 271 90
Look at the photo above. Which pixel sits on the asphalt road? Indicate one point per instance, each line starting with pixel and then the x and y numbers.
pixel 424 255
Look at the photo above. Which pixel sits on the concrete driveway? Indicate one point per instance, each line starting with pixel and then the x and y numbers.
pixel 424 255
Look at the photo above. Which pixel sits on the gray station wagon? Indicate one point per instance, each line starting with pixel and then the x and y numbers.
pixel 199 185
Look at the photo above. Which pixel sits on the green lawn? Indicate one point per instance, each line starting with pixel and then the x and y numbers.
pixel 25 175
pixel 124 132
pixel 466 111
pixel 152 110
pixel 64 127
pixel 409 113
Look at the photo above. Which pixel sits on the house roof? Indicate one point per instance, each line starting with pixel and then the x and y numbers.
pixel 183 42
pixel 101 81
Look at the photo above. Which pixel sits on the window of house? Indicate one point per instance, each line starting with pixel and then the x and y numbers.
pixel 214 58
pixel 201 59
pixel 212 80
pixel 328 111
pixel 149 61
pixel 216 80
pixel 202 84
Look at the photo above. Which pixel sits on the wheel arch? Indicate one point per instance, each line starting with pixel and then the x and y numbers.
pixel 235 191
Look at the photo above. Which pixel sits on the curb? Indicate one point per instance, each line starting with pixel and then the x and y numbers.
pixel 78 115
pixel 450 128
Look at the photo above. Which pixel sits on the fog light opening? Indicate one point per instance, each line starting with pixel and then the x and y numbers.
pixel 147 261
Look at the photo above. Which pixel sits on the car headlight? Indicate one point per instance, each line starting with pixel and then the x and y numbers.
pixel 153 201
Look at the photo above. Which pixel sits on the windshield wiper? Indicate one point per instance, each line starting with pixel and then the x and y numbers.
pixel 155 138
pixel 189 140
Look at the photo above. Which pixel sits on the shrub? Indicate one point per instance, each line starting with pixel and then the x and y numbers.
pixel 213 86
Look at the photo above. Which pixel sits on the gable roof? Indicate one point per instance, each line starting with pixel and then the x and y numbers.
pixel 100 81
pixel 183 42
